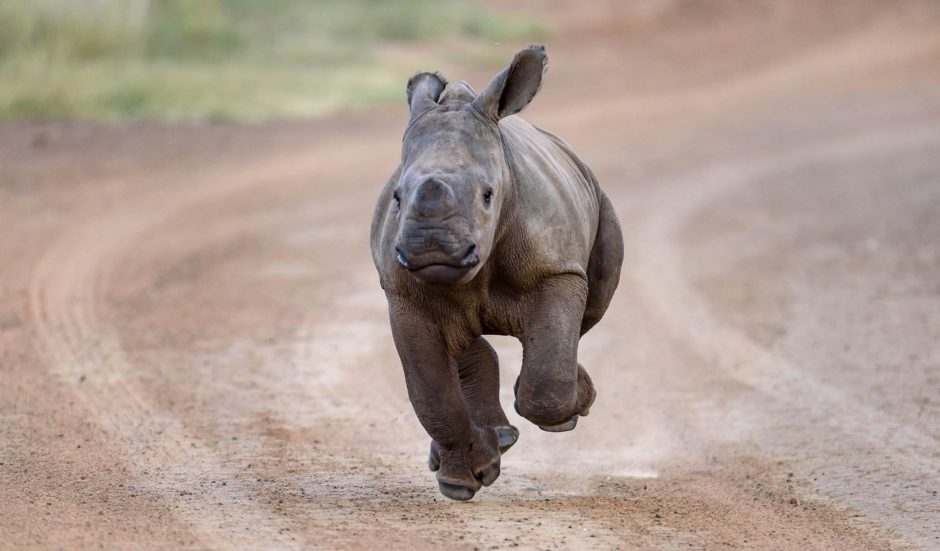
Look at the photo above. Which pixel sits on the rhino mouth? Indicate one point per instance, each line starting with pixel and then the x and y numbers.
pixel 440 274
pixel 438 268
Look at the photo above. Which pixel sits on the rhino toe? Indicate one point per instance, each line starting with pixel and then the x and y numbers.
pixel 587 408
pixel 570 424
pixel 508 436
pixel 489 474
pixel 455 491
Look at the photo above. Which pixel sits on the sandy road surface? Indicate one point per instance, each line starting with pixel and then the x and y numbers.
pixel 194 350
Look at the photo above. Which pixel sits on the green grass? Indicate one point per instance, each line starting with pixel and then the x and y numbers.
pixel 236 60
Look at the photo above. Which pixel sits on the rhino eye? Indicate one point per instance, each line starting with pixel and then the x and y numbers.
pixel 397 198
pixel 488 196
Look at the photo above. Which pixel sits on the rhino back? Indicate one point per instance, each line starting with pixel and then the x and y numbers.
pixel 554 219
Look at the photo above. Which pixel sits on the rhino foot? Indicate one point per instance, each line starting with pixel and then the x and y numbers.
pixel 545 414
pixel 462 472
pixel 570 424
pixel 462 491
pixel 506 436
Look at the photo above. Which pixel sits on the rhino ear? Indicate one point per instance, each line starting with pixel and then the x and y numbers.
pixel 515 87
pixel 424 89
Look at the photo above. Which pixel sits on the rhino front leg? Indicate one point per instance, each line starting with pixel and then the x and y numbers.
pixel 469 455
pixel 478 369
pixel 553 389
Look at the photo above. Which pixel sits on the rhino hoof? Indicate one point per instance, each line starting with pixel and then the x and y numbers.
pixel 570 424
pixel 455 491
pixel 508 436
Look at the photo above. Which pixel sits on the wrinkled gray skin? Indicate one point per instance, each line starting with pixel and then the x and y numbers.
pixel 491 226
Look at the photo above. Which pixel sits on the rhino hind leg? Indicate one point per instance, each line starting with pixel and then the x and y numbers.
pixel 603 265
pixel 478 368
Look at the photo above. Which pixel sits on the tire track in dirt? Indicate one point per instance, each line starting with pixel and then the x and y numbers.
pixel 67 285
pixel 787 388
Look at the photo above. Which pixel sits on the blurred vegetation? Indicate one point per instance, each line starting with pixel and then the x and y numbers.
pixel 240 60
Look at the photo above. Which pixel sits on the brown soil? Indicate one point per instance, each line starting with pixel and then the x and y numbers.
pixel 194 350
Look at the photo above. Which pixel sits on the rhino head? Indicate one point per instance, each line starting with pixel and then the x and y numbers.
pixel 454 181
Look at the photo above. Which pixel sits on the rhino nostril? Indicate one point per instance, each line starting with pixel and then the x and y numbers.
pixel 472 257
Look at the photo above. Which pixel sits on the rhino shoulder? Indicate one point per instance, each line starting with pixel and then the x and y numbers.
pixel 557 205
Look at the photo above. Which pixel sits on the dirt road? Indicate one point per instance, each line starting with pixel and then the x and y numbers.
pixel 194 350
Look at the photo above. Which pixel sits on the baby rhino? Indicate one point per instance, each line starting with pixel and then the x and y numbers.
pixel 491 226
